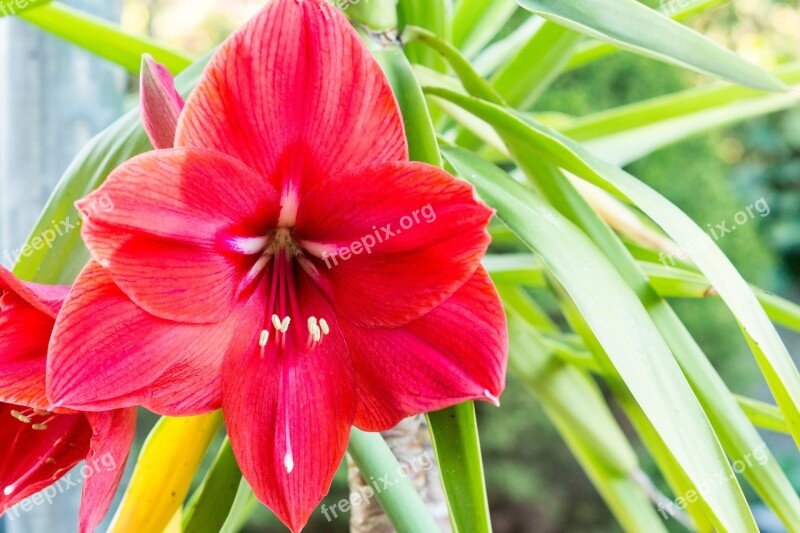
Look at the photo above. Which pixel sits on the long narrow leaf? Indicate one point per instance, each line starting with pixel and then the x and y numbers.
pixel 102 37
pixel 630 25
pixel 639 353
pixel 454 432
pixel 777 366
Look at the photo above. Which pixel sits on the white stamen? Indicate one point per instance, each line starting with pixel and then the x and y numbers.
pixel 276 321
pixel 288 462
pixel 285 324
pixel 316 334
pixel 259 265
pixel 248 245
pixel 262 341
pixel 8 490
pixel 312 322
pixel 324 326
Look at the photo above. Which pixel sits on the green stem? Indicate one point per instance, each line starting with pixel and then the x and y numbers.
pixel 394 491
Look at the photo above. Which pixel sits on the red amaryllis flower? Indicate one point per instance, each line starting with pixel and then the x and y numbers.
pixel 38 446
pixel 286 262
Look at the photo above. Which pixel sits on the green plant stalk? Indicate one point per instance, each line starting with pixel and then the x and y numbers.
pixel 400 502
pixel 102 38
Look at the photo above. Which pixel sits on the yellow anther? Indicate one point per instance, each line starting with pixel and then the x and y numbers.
pixel 19 416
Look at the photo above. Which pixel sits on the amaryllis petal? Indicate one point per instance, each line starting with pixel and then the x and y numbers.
pixel 35 457
pixel 137 350
pixel 112 436
pixel 296 84
pixel 45 298
pixel 457 352
pixel 178 238
pixel 24 335
pixel 27 315
pixel 410 235
pixel 289 411
pixel 160 103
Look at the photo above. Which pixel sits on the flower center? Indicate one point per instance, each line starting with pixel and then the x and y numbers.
pixel 286 330
pixel 278 261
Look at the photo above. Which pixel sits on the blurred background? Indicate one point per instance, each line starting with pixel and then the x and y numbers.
pixel 534 484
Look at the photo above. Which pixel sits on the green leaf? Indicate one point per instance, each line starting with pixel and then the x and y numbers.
pixel 477 22
pixel 593 51
pixel 433 15
pixel 764 415
pixel 125 138
pixel 626 133
pixel 102 37
pixel 497 54
pixel 455 438
pixel 243 506
pixel 575 405
pixel 422 145
pixel 736 434
pixel 211 503
pixel 773 358
pixel 9 8
pixel 536 65
pixel 638 353
pixel 400 500
pixel 635 27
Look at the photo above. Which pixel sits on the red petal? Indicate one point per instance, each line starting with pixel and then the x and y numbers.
pixel 27 313
pixel 170 235
pixel 34 459
pixel 298 397
pixel 455 353
pixel 439 238
pixel 160 103
pixel 24 335
pixel 106 352
pixel 113 434
pixel 296 80
pixel 45 298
